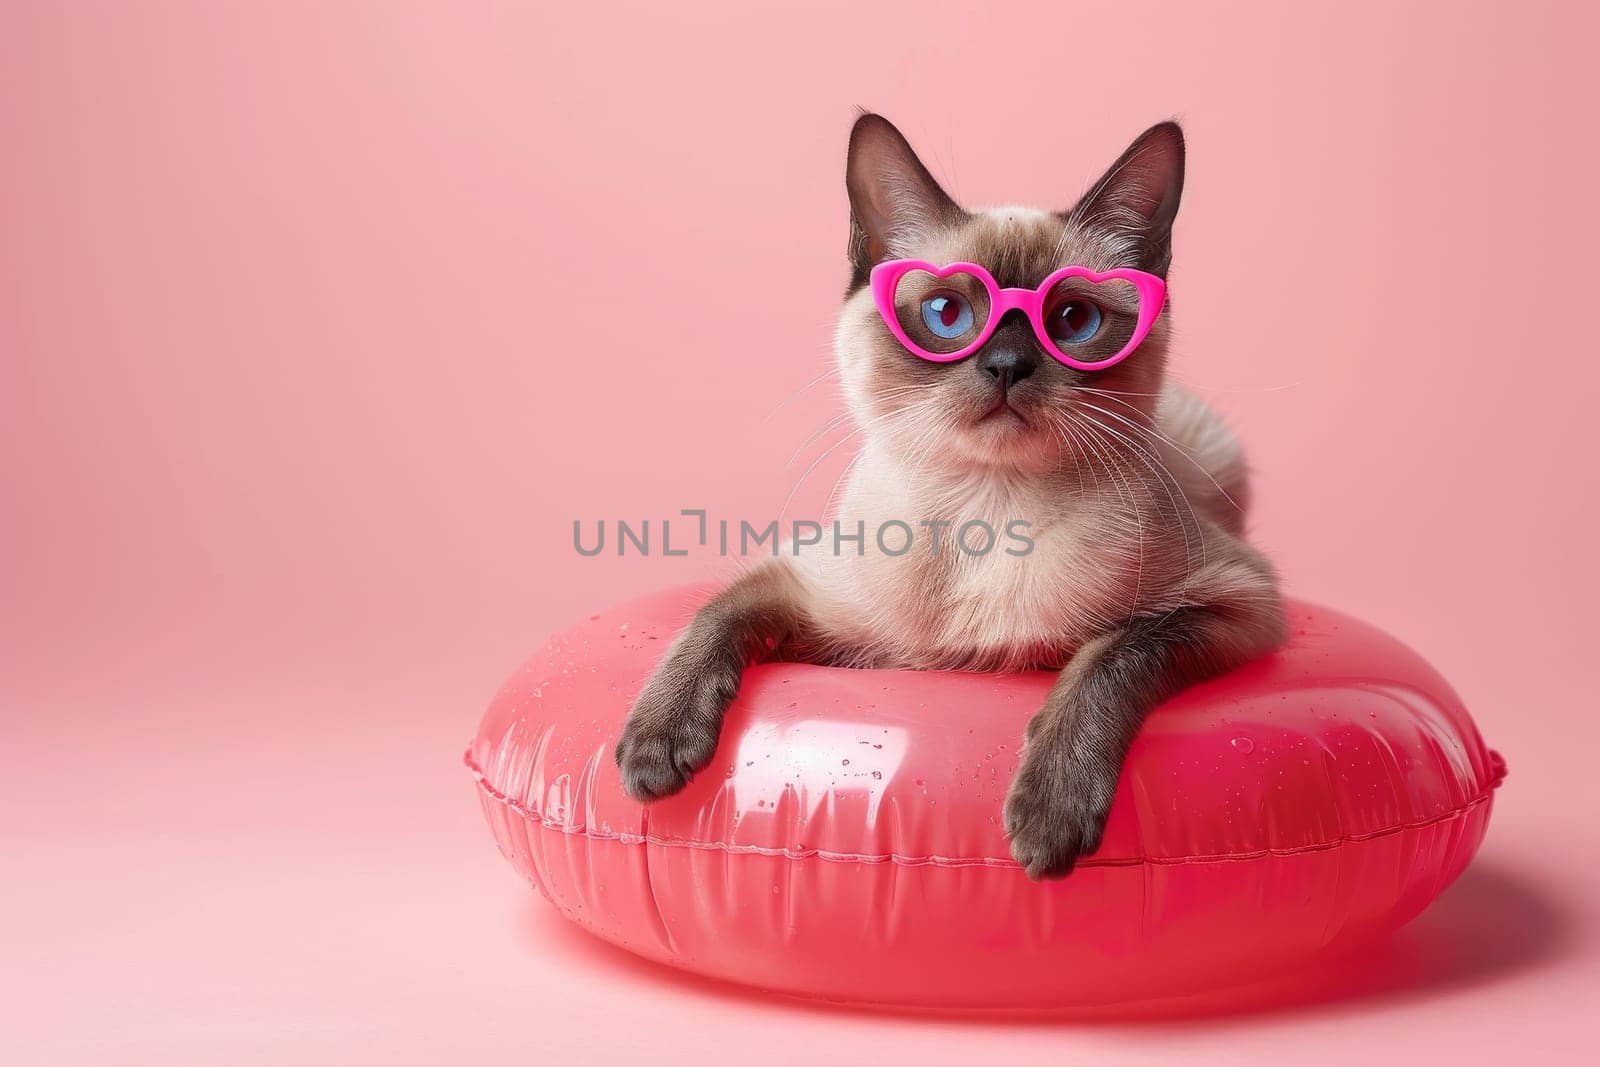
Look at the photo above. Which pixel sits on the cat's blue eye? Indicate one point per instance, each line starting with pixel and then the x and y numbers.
pixel 948 315
pixel 1073 322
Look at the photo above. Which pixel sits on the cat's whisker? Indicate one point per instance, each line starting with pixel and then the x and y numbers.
pixel 792 397
pixel 863 425
pixel 1156 435
pixel 835 421
pixel 1126 491
pixel 784 510
pixel 1169 482
pixel 1072 446
pixel 927 436
pixel 1140 576
pixel 1153 462
pixel 829 425
pixel 827 505
pixel 1232 390
pixel 1111 392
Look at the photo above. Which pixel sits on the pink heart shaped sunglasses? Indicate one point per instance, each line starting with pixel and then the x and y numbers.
pixel 1087 320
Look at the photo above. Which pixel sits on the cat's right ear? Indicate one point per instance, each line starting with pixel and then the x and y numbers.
pixel 894 201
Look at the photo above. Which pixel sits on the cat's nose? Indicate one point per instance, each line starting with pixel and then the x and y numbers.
pixel 1008 366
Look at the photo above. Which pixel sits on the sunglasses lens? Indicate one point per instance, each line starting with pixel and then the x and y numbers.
pixel 941 315
pixel 1091 322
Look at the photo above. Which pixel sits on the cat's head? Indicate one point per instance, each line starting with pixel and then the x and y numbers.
pixel 1010 405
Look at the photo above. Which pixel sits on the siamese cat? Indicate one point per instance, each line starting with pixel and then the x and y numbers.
pixel 977 399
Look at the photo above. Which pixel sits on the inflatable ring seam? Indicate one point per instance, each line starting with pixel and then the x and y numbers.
pixel 1497 775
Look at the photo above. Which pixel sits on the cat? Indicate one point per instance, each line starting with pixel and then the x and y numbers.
pixel 1139 582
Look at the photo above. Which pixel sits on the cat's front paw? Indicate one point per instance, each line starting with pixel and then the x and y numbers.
pixel 672 730
pixel 1055 812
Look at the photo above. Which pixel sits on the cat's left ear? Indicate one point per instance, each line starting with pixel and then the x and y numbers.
pixel 1137 198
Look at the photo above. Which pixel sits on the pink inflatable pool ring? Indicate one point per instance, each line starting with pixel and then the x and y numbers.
pixel 845 842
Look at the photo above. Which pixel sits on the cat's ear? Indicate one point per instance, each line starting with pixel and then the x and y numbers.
pixel 1137 199
pixel 893 198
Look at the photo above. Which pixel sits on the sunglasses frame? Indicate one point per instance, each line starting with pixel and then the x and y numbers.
pixel 885 276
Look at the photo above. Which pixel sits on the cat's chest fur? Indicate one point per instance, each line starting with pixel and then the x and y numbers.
pixel 1026 597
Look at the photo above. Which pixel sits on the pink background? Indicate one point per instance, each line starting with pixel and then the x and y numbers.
pixel 314 341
